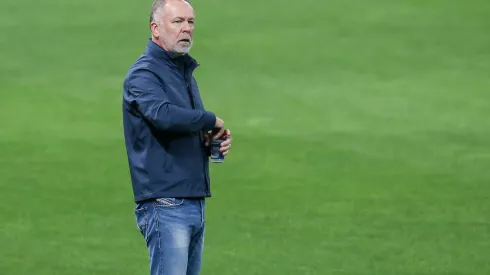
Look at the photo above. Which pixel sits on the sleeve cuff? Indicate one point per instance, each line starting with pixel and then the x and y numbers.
pixel 209 121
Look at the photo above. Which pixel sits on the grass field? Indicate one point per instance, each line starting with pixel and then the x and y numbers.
pixel 361 136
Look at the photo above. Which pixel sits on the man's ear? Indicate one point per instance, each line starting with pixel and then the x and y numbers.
pixel 154 29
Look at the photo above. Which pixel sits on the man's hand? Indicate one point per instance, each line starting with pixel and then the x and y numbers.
pixel 218 132
pixel 219 123
pixel 219 126
pixel 226 145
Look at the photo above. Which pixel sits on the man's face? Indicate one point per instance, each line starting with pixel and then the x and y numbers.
pixel 176 26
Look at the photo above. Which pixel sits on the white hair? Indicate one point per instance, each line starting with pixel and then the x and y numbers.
pixel 156 10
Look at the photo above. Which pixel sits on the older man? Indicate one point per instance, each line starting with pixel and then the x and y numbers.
pixel 167 132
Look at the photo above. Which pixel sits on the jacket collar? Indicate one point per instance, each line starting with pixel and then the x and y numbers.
pixel 156 51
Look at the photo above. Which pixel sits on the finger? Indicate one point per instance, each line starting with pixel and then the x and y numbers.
pixel 206 140
pixel 226 142
pixel 225 148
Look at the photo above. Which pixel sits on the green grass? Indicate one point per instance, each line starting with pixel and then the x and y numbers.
pixel 361 136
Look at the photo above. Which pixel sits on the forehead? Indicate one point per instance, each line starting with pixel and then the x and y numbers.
pixel 178 8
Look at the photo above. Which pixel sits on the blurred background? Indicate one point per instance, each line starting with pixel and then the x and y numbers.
pixel 361 136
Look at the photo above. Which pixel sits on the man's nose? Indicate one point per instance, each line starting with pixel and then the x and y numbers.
pixel 187 27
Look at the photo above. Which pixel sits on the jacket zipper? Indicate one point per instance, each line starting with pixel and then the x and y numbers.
pixel 189 91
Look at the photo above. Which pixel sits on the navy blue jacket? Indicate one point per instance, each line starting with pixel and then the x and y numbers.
pixel 163 118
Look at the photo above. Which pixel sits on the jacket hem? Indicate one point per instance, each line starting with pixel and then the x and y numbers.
pixel 170 195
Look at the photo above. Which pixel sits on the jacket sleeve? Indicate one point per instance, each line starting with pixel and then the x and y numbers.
pixel 143 91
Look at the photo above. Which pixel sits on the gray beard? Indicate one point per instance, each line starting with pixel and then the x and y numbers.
pixel 176 50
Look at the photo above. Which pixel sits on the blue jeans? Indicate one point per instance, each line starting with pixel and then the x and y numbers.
pixel 173 229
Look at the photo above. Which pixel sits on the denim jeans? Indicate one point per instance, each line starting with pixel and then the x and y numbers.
pixel 173 229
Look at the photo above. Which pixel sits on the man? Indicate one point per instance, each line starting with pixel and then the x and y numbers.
pixel 167 133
